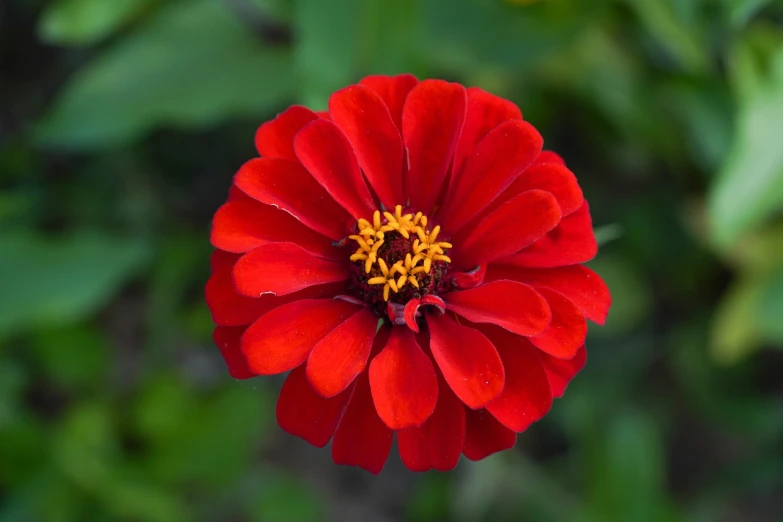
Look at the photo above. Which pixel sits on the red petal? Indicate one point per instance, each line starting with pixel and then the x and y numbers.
pixel 393 90
pixel 282 339
pixel 434 300
pixel 470 279
pixel 568 329
pixel 556 179
pixel 275 139
pixel 229 308
pixel 403 382
pixel 241 226
pixel 432 119
pixel 526 396
pixel 547 156
pixel 578 283
pixel 500 157
pixel 570 243
pixel 221 259
pixel 561 371
pixel 284 268
pixel 514 306
pixel 485 112
pixel 304 413
pixel 469 362
pixel 550 177
pixel 235 194
pixel 365 120
pixel 227 340
pixel 409 314
pixel 362 439
pixel 484 435
pixel 515 225
pixel 340 356
pixel 438 443
pixel 287 185
pixel 325 151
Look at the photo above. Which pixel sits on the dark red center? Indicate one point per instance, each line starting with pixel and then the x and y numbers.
pixel 394 249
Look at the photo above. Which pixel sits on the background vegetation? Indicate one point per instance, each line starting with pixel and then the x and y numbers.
pixel 122 123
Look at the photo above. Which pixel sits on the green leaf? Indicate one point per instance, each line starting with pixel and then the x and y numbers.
pixel 200 438
pixel 627 473
pixel 631 294
pixel 331 39
pixel 79 22
pixel 338 42
pixel 285 499
pixel 132 498
pixel 13 381
pixel 770 310
pixel 706 111
pixel 430 499
pixel 74 355
pixel 749 312
pixel 465 34
pixel 193 64
pixel 749 187
pixel 684 42
pixel 85 446
pixel 55 281
pixel 741 11
pixel 735 332
pixel 608 233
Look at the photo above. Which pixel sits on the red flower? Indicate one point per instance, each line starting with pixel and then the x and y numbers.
pixel 412 257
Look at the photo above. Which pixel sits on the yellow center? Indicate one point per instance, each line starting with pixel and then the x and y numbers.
pixel 395 274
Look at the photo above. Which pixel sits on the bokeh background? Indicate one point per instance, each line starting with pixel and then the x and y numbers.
pixel 122 123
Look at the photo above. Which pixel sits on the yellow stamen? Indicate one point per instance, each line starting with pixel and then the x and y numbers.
pixel 434 235
pixel 419 247
pixel 394 274
pixel 362 243
pixel 384 268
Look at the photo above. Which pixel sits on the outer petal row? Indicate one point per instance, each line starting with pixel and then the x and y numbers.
pixel 242 225
pixel 494 164
pixel 577 283
pixel 432 119
pixel 288 186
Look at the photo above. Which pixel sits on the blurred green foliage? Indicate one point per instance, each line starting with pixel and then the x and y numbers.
pixel 122 123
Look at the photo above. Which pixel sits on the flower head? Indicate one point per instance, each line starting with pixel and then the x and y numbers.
pixel 413 258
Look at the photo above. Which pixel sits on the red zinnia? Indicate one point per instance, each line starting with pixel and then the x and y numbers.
pixel 413 258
